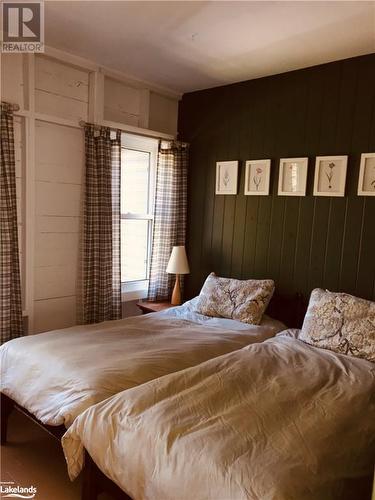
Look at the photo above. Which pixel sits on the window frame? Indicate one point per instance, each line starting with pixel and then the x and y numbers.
pixel 138 289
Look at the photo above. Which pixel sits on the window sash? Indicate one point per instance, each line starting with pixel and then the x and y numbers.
pixel 137 216
pixel 150 228
pixel 137 143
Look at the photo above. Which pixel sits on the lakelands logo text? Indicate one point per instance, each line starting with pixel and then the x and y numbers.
pixel 7 490
pixel 22 27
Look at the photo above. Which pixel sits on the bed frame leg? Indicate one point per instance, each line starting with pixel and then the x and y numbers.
pixel 89 487
pixel 7 405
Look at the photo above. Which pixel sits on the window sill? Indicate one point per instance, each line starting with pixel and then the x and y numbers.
pixel 134 290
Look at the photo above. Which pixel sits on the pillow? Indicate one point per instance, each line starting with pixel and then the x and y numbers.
pixel 243 300
pixel 340 322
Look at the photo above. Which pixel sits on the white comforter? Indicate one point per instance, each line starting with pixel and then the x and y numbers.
pixel 57 375
pixel 279 420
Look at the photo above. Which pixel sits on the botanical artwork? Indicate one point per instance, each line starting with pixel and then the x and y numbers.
pixel 340 322
pixel 330 175
pixel 369 177
pixel 242 300
pixel 257 177
pixel 366 184
pixel 226 177
pixel 293 176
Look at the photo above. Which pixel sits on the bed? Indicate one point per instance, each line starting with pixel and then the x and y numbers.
pixel 55 376
pixel 274 420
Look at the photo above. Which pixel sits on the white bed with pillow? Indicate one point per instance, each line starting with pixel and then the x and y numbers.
pixel 57 375
pixel 277 420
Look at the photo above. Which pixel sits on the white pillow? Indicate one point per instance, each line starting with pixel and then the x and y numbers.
pixel 340 322
pixel 243 300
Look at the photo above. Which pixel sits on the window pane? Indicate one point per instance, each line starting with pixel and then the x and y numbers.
pixel 134 246
pixel 135 168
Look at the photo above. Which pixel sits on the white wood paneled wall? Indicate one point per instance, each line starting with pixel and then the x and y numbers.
pixel 121 105
pixel 61 90
pixel 13 78
pixel 163 113
pixel 59 166
pixel 55 91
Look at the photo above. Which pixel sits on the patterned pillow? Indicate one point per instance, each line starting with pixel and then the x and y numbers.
pixel 341 323
pixel 243 300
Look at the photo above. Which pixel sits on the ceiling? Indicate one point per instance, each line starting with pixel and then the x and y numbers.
pixel 190 45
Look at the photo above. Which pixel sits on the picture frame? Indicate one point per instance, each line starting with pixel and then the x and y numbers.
pixel 293 176
pixel 226 177
pixel 257 177
pixel 366 181
pixel 330 175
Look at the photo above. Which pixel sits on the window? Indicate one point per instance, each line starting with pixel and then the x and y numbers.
pixel 138 171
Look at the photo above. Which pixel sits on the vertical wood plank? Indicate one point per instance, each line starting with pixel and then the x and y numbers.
pixel 305 242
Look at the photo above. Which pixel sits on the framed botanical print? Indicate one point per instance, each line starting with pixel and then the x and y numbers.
pixel 366 182
pixel 330 175
pixel 292 176
pixel 226 177
pixel 257 177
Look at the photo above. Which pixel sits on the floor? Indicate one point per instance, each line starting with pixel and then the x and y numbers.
pixel 33 458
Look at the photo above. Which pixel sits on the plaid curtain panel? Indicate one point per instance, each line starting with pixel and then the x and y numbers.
pixel 169 216
pixel 101 279
pixel 11 324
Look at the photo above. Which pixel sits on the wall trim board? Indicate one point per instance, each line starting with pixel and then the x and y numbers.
pixel 29 191
pixel 106 123
pixel 301 242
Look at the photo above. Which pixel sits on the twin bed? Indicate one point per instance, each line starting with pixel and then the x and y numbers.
pixel 181 404
pixel 57 375
pixel 274 420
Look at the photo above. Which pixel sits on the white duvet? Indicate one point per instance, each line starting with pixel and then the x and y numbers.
pixel 57 375
pixel 279 420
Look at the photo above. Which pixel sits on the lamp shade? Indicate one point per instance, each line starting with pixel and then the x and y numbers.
pixel 178 263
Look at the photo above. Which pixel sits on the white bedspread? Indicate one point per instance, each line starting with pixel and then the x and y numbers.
pixel 56 375
pixel 280 420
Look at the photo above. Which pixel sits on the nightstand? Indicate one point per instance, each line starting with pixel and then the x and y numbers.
pixel 149 307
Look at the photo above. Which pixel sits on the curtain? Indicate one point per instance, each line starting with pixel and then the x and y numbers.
pixel 101 276
pixel 169 215
pixel 11 324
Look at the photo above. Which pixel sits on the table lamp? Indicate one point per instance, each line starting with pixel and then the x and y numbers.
pixel 177 265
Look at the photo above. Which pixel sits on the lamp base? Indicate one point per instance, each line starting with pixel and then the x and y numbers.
pixel 176 294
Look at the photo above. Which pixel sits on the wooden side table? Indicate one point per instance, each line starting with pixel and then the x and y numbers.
pixel 148 307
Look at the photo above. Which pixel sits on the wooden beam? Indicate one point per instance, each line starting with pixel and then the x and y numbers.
pixel 137 130
pixel 56 120
pixel 96 97
pixel 29 163
pixel 132 130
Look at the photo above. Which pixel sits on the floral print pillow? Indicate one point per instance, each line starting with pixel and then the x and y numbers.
pixel 243 300
pixel 340 322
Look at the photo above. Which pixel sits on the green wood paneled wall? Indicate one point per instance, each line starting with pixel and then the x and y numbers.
pixel 303 242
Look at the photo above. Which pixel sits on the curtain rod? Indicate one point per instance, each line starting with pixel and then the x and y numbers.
pixel 14 107
pixel 82 123
pixel 130 129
